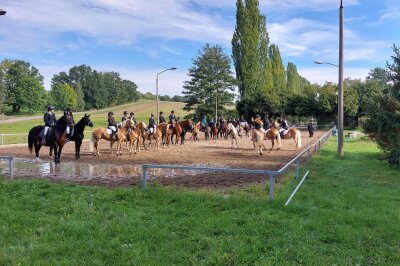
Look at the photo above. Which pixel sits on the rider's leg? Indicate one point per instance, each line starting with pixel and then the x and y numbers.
pixel 44 135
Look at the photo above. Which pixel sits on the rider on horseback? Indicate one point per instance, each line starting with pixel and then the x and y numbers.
pixel 49 121
pixel 112 125
pixel 125 117
pixel 172 118
pixel 152 124
pixel 258 124
pixel 267 123
pixel 161 117
pixel 132 117
pixel 284 126
pixel 70 131
pixel 204 122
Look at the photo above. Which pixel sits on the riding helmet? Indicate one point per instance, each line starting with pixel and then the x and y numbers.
pixel 110 113
pixel 152 114
pixel 68 110
pixel 172 111
pixel 50 107
pixel 125 112
pixel 132 113
pixel 161 112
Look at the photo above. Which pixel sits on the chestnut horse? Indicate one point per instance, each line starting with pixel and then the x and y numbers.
pixel 244 127
pixel 273 134
pixel 179 130
pixel 133 139
pixel 295 134
pixel 157 135
pixel 195 131
pixel 257 136
pixel 55 139
pixel 104 133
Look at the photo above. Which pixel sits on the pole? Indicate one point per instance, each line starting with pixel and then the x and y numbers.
pixel 216 105
pixel 158 107
pixel 340 94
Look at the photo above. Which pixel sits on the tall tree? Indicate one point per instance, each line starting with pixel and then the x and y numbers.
pixel 211 81
pixel 278 71
pixel 293 79
pixel 250 47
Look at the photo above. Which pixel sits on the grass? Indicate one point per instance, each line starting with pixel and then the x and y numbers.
pixel 142 110
pixel 346 212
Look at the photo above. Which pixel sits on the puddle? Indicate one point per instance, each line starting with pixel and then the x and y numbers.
pixel 83 172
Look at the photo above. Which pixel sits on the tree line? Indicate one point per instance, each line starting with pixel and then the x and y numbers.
pixel 81 88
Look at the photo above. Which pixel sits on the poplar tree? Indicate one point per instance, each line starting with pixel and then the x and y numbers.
pixel 293 79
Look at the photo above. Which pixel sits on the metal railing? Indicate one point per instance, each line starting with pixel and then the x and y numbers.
pixel 10 165
pixel 272 174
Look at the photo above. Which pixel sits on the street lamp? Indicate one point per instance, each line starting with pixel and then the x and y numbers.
pixel 158 113
pixel 2 12
pixel 323 62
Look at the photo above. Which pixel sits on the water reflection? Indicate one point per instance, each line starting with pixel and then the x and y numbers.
pixel 27 168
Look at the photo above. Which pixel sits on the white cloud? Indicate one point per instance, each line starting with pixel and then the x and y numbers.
pixel 328 73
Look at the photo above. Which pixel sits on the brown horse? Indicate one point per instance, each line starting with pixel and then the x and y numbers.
pixel 273 134
pixel 244 127
pixel 196 131
pixel 101 133
pixel 295 134
pixel 157 135
pixel 179 130
pixel 133 139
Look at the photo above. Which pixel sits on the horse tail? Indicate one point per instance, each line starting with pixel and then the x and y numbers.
pixel 278 139
pixel 30 141
pixel 298 139
pixel 91 142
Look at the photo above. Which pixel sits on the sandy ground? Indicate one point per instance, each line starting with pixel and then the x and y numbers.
pixel 212 153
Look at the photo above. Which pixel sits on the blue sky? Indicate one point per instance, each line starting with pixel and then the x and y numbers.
pixel 139 39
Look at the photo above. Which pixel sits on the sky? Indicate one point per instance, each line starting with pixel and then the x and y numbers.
pixel 139 39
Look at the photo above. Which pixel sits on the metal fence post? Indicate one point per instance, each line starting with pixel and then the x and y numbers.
pixel 308 155
pixel 271 187
pixel 144 180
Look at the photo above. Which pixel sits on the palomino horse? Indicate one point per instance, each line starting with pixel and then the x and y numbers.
pixel 133 140
pixel 157 135
pixel 78 136
pixel 244 127
pixel 257 136
pixel 233 134
pixel 179 130
pixel 273 134
pixel 101 133
pixel 195 132
pixel 55 139
pixel 292 132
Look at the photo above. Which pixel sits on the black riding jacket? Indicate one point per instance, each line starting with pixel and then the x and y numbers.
pixel 172 117
pixel 111 122
pixel 152 122
pixel 49 119
pixel 162 119
pixel 284 124
pixel 125 117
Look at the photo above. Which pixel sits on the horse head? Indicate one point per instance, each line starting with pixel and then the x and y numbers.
pixel 87 121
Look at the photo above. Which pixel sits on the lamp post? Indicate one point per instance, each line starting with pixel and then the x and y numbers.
pixel 2 12
pixel 158 112
pixel 340 89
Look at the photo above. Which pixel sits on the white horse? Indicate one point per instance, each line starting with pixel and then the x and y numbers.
pixel 233 134
pixel 257 136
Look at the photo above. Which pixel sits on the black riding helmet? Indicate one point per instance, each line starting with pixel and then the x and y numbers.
pixel 132 113
pixel 161 112
pixel 125 112
pixel 50 107
pixel 110 113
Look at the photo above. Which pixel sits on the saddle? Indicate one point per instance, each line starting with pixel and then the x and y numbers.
pixel 47 135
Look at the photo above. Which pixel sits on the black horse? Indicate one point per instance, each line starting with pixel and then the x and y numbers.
pixel 55 139
pixel 78 134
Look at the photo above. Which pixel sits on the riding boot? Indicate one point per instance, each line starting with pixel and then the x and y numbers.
pixel 113 135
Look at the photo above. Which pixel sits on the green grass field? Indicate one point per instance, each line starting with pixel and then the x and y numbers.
pixel 346 213
pixel 142 110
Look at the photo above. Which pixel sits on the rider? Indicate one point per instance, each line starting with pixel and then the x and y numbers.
pixel 204 122
pixel 132 117
pixel 70 131
pixel 161 117
pixel 258 124
pixel 266 122
pixel 152 124
pixel 50 120
pixel 172 118
pixel 112 125
pixel 125 117
pixel 284 126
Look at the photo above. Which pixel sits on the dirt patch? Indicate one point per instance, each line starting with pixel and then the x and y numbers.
pixel 213 153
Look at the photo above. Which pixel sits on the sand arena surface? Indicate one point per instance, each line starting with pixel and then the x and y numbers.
pixel 125 170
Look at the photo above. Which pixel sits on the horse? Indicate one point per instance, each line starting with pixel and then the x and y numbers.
pixel 104 133
pixel 293 133
pixel 179 130
pixel 244 127
pixel 207 132
pixel 157 135
pixel 214 130
pixel 275 125
pixel 134 137
pixel 55 139
pixel 78 136
pixel 257 136
pixel 195 131
pixel 273 134
pixel 233 134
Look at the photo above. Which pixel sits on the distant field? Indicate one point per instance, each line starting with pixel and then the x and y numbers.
pixel 142 110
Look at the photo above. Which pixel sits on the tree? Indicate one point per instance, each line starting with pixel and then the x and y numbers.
pixel 211 82
pixel 293 79
pixel 383 123
pixel 250 47
pixel 63 96
pixel 23 84
pixel 278 75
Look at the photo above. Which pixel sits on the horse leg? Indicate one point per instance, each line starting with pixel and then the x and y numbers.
pixel 76 150
pixel 59 153
pixel 37 149
pixel 273 143
pixel 55 152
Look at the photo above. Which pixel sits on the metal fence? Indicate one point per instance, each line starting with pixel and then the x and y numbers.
pixel 10 165
pixel 270 173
